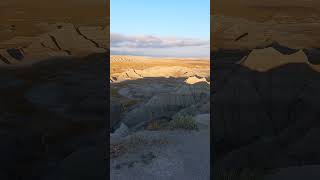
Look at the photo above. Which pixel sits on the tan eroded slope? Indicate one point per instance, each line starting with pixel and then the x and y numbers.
pixel 240 24
pixel 266 59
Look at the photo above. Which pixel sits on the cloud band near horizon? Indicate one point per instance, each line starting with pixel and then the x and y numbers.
pixel 158 46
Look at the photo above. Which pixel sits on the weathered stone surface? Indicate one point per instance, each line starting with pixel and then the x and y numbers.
pixel 49 111
pixel 266 119
pixel 61 40
pixel 167 104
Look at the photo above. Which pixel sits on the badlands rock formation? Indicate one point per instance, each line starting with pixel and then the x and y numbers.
pixel 266 73
pixel 52 116
pixel 265 109
pixel 174 71
pixel 241 33
pixel 164 90
pixel 249 24
pixel 195 79
pixel 167 105
pixel 64 40
pixel 158 90
pixel 266 59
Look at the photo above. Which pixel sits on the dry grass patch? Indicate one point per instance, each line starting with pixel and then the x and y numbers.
pixel 129 103
pixel 180 122
pixel 183 122
pixel 132 143
pixel 153 126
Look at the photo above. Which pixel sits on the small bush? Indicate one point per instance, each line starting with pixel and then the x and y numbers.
pixel 183 122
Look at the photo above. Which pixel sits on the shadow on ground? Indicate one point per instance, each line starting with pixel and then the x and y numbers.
pixel 53 119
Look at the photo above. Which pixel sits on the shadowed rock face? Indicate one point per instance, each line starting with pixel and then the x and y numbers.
pixel 53 107
pixel 15 53
pixel 264 119
pixel 116 110
pixel 313 55
pixel 178 96
pixel 51 112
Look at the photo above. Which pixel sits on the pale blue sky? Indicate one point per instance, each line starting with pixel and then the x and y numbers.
pixel 160 23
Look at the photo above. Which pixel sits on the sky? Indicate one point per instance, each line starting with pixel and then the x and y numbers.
pixel 169 28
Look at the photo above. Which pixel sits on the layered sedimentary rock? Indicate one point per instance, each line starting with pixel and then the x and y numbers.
pixel 158 71
pixel 265 109
pixel 167 104
pixel 266 59
pixel 62 40
pixel 195 79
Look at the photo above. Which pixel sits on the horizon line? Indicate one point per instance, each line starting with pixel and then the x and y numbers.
pixel 164 57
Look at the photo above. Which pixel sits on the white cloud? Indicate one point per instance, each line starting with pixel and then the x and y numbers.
pixel 156 46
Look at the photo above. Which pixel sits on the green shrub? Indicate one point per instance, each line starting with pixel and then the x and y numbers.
pixel 183 122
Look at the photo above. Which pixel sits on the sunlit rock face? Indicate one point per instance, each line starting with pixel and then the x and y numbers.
pixel 249 24
pixel 56 29
pixel 63 40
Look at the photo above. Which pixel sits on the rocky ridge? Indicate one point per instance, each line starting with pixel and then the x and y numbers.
pixel 265 107
pixel 242 33
pixel 269 58
pixel 159 71
pixel 62 40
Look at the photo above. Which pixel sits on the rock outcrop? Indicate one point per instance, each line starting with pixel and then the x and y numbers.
pixel 167 104
pixel 247 25
pixel 172 71
pixel 265 110
pixel 50 111
pixel 62 40
pixel 195 79
pixel 266 59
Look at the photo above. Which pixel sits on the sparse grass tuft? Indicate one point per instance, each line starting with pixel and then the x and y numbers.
pixel 154 125
pixel 133 142
pixel 183 122
pixel 114 92
pixel 129 103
